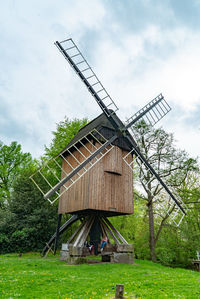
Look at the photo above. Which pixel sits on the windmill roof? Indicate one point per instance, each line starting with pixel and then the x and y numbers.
pixel 102 124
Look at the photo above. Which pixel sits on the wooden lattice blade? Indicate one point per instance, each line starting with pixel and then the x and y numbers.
pixel 80 65
pixel 89 150
pixel 151 113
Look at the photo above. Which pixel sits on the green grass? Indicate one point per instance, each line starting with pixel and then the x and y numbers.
pixel 31 276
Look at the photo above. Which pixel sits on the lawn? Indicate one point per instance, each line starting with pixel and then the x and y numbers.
pixel 31 276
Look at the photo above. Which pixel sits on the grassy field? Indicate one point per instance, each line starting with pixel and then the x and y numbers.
pixel 31 276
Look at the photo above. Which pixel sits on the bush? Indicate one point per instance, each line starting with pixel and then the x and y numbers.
pixel 5 245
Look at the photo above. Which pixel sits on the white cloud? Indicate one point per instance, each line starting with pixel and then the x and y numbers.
pixel 39 88
pixel 36 95
pixel 134 76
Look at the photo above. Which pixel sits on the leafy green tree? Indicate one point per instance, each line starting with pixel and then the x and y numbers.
pixel 12 162
pixel 190 229
pixel 134 228
pixel 65 132
pixel 172 165
pixel 29 221
pixel 178 247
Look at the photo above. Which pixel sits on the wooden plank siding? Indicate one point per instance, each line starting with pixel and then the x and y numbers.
pixel 106 187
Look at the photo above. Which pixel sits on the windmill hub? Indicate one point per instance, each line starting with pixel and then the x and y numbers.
pixel 122 132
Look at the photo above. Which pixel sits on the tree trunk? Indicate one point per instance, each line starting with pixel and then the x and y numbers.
pixel 151 232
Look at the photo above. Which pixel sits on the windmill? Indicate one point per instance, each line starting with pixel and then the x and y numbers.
pixel 96 168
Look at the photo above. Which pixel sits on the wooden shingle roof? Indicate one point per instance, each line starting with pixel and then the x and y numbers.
pixel 104 127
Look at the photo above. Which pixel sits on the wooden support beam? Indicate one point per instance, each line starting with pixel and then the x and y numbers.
pixel 57 233
pixel 111 233
pixel 84 232
pixel 115 231
pixel 49 249
pixel 76 232
pixel 103 228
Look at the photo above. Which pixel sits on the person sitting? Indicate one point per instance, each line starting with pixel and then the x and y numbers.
pixel 104 241
pixel 91 249
pixel 89 246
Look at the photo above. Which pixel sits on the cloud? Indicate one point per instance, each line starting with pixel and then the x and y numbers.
pixel 137 50
pixel 33 94
pixel 142 65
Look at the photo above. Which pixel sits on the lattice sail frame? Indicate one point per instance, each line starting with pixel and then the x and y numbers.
pixel 88 146
pixel 76 59
pixel 151 113
pixel 147 179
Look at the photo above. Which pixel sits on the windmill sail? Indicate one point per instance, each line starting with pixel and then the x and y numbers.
pixel 90 149
pixel 75 58
pixel 151 113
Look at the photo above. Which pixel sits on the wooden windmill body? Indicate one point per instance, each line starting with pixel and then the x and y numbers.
pixel 97 169
pixel 107 188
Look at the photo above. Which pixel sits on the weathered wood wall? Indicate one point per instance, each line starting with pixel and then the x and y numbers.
pixel 107 186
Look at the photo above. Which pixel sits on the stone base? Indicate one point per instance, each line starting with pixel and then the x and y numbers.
pixel 118 258
pixel 105 258
pixel 124 248
pixel 122 258
pixel 73 255
pixel 120 253
pixel 76 260
pixel 64 255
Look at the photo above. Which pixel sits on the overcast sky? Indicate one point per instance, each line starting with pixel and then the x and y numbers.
pixel 138 49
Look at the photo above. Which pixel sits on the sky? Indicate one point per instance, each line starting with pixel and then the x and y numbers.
pixel 138 49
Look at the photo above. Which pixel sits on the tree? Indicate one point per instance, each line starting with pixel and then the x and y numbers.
pixel 178 247
pixel 29 221
pixel 65 132
pixel 172 165
pixel 190 229
pixel 12 162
